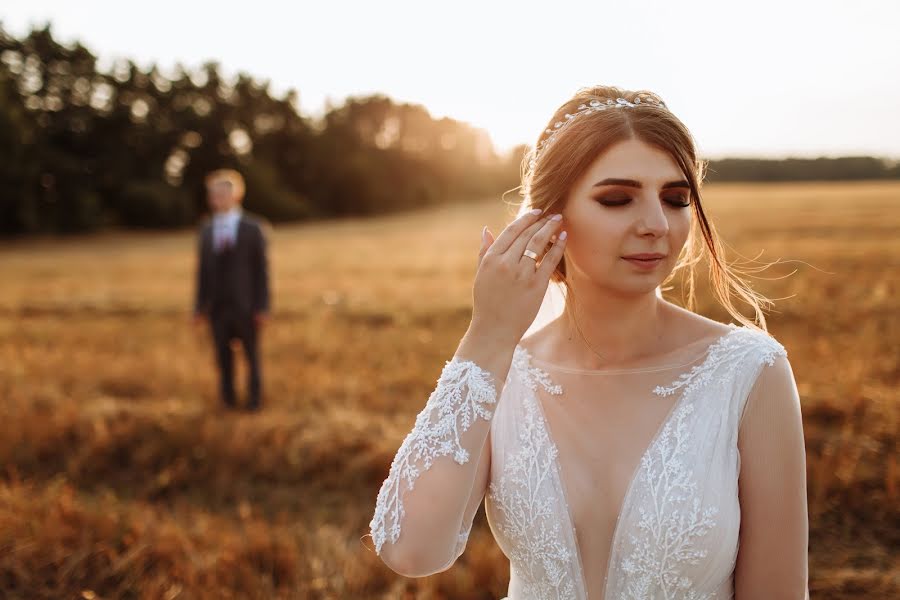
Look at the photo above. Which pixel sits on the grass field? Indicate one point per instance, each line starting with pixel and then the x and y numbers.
pixel 121 478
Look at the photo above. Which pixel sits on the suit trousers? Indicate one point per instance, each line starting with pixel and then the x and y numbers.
pixel 228 324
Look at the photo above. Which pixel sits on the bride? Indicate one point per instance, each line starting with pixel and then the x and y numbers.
pixel 623 446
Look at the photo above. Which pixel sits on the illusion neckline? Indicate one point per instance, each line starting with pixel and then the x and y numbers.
pixel 680 402
pixel 707 346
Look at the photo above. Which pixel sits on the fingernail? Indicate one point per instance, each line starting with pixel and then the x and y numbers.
pixel 536 211
pixel 484 233
pixel 563 235
pixel 556 218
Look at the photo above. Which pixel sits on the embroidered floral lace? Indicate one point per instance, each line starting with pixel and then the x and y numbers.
pixel 678 480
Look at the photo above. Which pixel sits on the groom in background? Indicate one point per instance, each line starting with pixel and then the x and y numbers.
pixel 232 282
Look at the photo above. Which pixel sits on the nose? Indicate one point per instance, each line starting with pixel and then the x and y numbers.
pixel 652 219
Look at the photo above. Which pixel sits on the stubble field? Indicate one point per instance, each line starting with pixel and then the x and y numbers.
pixel 122 478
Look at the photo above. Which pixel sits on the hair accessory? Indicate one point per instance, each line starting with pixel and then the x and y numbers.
pixel 589 107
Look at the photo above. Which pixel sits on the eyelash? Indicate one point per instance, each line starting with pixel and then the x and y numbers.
pixel 681 204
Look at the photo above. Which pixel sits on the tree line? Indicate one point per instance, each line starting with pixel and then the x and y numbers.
pixel 86 148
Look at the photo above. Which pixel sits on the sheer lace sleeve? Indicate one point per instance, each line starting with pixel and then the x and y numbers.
pixel 772 560
pixel 437 478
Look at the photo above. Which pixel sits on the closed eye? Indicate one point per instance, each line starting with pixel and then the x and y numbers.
pixel 680 202
pixel 676 201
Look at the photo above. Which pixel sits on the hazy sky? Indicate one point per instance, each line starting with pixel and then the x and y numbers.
pixel 793 77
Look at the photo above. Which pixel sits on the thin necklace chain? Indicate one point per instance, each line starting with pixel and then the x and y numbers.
pixel 583 338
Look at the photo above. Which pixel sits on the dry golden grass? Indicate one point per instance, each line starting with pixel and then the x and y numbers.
pixel 122 479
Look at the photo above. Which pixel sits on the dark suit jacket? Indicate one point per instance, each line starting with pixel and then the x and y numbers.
pixel 251 269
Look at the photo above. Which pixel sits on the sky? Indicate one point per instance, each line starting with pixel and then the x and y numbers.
pixel 763 79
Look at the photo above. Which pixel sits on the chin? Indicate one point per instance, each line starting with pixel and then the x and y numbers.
pixel 641 282
pixel 639 288
pixel 630 286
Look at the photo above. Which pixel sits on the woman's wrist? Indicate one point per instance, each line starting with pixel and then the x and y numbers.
pixel 490 350
pixel 488 335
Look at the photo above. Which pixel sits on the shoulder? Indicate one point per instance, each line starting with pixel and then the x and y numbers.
pixel 686 327
pixel 204 227
pixel 687 331
pixel 760 349
pixel 739 341
pixel 773 393
pixel 759 344
pixel 256 222
pixel 740 355
pixel 766 374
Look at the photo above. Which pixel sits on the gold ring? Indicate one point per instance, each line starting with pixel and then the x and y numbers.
pixel 530 254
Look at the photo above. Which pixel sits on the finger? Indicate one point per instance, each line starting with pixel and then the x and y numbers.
pixel 487 237
pixel 513 230
pixel 553 256
pixel 537 240
pixel 486 240
pixel 518 245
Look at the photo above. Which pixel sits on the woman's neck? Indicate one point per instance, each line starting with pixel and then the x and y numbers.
pixel 600 330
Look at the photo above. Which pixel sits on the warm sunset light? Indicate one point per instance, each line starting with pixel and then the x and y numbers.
pixel 469 300
pixel 781 78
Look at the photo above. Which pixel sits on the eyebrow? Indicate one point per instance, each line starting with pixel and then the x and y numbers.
pixel 639 185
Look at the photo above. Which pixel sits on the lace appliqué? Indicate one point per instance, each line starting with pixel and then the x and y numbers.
pixel 540 555
pixel 730 347
pixel 667 534
pixel 671 520
pixel 463 392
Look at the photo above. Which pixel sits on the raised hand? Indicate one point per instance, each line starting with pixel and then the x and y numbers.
pixel 509 286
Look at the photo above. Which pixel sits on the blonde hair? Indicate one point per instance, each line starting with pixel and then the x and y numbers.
pixel 548 176
pixel 228 176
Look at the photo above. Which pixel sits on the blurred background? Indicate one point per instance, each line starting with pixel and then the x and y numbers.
pixel 376 139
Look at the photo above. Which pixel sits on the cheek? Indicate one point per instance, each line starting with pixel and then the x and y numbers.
pixel 679 229
pixel 592 238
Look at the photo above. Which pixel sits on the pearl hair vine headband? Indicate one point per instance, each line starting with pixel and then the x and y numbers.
pixel 589 107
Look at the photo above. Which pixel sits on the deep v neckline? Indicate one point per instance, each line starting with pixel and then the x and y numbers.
pixel 708 355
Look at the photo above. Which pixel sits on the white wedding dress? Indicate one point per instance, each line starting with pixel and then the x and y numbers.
pixel 611 484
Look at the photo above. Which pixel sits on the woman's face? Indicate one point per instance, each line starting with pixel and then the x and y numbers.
pixel 633 199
